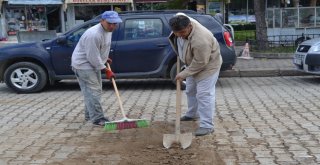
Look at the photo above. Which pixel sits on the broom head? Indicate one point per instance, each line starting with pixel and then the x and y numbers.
pixel 125 124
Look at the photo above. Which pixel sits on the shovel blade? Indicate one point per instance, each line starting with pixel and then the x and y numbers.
pixel 184 139
pixel 168 140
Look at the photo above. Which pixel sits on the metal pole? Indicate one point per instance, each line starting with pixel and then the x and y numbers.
pixel 132 6
pixel 247 11
pixel 207 7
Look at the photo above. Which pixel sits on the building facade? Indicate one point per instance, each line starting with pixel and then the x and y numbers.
pixel 30 15
pixel 79 11
pixel 60 15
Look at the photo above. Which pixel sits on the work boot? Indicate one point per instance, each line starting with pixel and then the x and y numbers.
pixel 186 118
pixel 203 131
pixel 101 122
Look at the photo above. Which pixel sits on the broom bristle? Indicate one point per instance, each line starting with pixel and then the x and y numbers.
pixel 119 125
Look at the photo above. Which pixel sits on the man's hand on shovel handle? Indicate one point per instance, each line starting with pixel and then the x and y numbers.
pixel 179 77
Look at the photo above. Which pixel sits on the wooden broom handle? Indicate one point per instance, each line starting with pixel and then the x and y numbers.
pixel 117 93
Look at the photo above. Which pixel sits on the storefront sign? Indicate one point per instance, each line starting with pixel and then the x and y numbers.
pixel 100 1
pixel 34 2
pixel 149 1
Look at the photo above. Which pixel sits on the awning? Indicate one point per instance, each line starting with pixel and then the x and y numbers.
pixel 67 2
pixel 99 1
pixel 35 2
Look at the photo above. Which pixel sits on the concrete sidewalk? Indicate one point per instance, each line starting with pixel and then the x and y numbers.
pixel 262 67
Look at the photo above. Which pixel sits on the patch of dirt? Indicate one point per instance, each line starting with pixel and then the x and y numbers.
pixel 144 146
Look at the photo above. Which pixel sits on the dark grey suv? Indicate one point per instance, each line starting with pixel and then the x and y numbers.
pixel 140 49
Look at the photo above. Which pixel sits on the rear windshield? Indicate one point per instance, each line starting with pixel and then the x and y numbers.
pixel 210 23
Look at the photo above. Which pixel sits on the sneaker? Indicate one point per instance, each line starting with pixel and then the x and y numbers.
pixel 186 118
pixel 203 131
pixel 100 122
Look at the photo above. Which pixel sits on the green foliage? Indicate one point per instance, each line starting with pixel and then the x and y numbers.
pixel 176 4
pixel 160 6
pixel 244 35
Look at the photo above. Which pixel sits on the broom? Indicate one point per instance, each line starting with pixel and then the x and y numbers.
pixel 124 123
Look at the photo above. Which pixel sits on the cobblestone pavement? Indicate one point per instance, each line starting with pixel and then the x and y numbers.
pixel 260 120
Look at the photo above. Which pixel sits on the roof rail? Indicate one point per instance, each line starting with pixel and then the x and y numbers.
pixel 152 12
pixel 158 11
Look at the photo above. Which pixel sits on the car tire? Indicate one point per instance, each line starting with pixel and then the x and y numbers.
pixel 173 73
pixel 25 77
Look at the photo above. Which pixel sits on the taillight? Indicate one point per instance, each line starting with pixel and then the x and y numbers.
pixel 228 38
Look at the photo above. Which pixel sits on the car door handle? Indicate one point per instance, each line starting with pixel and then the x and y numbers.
pixel 162 45
pixel 111 52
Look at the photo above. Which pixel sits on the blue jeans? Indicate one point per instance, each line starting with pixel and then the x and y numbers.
pixel 91 87
pixel 201 99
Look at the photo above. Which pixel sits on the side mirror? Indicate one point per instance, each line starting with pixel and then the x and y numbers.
pixel 62 39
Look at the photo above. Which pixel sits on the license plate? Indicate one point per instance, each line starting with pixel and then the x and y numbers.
pixel 297 61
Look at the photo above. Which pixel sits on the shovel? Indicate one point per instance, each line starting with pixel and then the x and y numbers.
pixel 186 138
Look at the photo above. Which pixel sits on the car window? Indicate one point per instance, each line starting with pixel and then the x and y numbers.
pixel 74 37
pixel 143 29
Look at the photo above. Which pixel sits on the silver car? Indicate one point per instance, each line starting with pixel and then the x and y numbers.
pixel 307 56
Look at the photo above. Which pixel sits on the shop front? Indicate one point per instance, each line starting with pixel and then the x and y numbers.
pixel 3 34
pixel 79 11
pixel 32 15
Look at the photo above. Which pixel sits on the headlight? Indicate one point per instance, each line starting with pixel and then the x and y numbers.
pixel 315 48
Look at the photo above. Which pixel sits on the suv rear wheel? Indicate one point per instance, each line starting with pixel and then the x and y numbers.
pixel 25 77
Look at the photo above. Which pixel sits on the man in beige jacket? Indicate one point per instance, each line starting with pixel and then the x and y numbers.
pixel 199 50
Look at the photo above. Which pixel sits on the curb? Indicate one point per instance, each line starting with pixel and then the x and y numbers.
pixel 261 73
pixel 272 55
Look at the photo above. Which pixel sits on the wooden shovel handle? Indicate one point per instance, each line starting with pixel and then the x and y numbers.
pixel 178 99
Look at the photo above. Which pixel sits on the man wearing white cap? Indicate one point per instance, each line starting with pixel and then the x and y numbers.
pixel 89 59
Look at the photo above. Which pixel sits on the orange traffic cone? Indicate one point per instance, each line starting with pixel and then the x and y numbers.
pixel 246 52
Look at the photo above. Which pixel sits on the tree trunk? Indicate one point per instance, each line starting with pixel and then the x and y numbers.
pixel 261 27
pixel 313 3
pixel 295 3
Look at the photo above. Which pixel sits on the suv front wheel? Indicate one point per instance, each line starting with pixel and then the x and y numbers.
pixel 25 77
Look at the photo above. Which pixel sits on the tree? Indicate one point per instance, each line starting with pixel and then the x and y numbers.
pixel 177 4
pixel 261 26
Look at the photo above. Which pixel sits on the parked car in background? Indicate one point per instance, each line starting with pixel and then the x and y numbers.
pixel 140 49
pixel 307 56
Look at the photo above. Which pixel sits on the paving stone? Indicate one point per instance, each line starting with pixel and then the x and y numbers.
pixel 273 120
pixel 283 157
